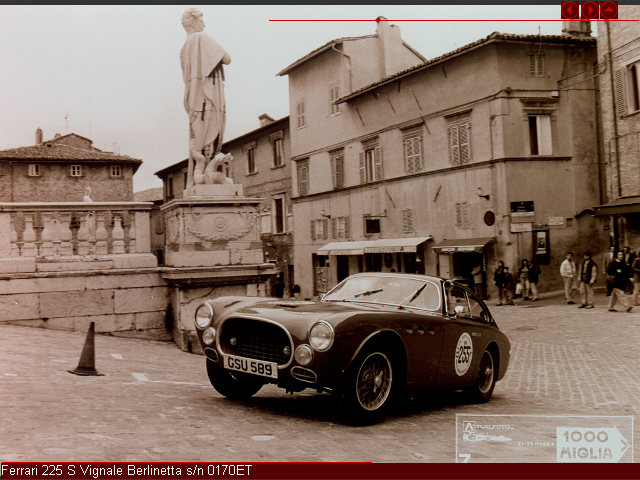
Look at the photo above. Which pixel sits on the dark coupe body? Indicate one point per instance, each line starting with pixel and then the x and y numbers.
pixel 373 337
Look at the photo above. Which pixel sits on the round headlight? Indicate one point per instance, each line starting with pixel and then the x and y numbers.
pixel 209 336
pixel 321 336
pixel 204 316
pixel 304 354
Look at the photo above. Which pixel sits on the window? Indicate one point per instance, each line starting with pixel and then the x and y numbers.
pixel 334 93
pixel 627 88
pixel 320 229
pixel 407 220
pixel 413 153
pixel 265 223
pixel 116 171
pixel 371 165
pixel 340 227
pixel 76 170
pixel 540 134
pixel 300 119
pixel 251 160
pixel 337 168
pixel 34 170
pixel 462 215
pixel 302 170
pixel 185 176
pixel 278 214
pixel 278 152
pixel 170 187
pixel 536 64
pixel 371 226
pixel 459 133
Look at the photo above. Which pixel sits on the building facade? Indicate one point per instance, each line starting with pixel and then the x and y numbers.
pixel 619 79
pixel 61 169
pixel 488 152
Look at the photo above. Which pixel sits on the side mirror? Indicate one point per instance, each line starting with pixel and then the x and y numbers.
pixel 458 310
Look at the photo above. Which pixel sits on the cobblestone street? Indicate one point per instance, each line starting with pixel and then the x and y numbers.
pixel 154 402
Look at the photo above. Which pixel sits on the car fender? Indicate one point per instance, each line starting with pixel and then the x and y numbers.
pixel 374 336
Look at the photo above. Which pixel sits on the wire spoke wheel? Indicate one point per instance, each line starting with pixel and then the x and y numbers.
pixel 486 373
pixel 373 381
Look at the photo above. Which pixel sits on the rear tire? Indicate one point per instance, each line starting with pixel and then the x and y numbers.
pixel 482 389
pixel 366 393
pixel 236 386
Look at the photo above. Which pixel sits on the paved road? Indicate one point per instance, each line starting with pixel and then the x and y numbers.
pixel 154 402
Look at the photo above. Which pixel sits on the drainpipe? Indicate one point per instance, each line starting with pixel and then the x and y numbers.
pixel 615 111
pixel 333 47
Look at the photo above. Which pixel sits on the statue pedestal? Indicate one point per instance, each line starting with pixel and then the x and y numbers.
pixel 212 248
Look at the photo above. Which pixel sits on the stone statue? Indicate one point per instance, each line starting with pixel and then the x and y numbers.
pixel 87 195
pixel 202 60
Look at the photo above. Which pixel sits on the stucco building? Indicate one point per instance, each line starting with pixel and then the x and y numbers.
pixel 487 152
pixel 619 79
pixel 60 170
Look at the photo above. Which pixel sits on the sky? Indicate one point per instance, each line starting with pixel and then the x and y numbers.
pixel 112 73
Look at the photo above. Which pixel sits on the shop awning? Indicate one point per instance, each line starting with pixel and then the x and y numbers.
pixel 620 206
pixel 463 244
pixel 383 245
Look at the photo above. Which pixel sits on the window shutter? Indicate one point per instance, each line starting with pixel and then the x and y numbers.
pixel 453 142
pixel 540 64
pixel 347 233
pixel 363 177
pixel 619 92
pixel 408 154
pixel 465 151
pixel 325 228
pixel 313 229
pixel 378 161
pixel 339 164
pixel 334 227
pixel 458 215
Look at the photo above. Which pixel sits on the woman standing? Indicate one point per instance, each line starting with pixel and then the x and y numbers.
pixel 523 279
pixel 498 279
pixel 534 276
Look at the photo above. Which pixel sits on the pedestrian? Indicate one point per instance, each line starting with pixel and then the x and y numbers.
pixel 636 280
pixel 476 273
pixel 523 279
pixel 508 286
pixel 588 277
pixel 498 279
pixel 534 277
pixel 619 273
pixel 629 258
pixel 568 273
pixel 608 258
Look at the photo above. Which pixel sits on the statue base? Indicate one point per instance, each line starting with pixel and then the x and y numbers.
pixel 214 190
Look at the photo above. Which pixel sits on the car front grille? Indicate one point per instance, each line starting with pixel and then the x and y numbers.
pixel 256 339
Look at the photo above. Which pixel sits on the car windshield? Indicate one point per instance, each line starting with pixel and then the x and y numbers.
pixel 389 290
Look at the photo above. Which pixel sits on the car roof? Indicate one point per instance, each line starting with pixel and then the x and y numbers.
pixel 416 276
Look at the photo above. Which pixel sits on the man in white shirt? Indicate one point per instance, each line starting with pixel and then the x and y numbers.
pixel 568 273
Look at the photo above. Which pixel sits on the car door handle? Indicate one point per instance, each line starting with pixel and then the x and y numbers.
pixel 431 330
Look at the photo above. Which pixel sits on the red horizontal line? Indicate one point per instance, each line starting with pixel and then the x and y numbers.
pixel 444 20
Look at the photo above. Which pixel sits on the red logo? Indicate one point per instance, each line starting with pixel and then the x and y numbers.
pixel 590 10
pixel 569 10
pixel 609 10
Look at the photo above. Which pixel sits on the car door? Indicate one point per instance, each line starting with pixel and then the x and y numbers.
pixel 464 337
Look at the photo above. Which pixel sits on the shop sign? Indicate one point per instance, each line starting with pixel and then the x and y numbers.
pixel 522 212
pixel 521 227
pixel 556 221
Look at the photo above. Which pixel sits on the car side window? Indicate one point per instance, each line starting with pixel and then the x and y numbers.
pixel 456 297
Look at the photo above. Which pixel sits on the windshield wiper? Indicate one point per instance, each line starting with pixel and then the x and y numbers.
pixel 414 296
pixel 364 293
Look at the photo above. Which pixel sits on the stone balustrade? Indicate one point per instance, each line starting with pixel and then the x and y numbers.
pixel 65 229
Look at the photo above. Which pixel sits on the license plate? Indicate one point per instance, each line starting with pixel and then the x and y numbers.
pixel 250 365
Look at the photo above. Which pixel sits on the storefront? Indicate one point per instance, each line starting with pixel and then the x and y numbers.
pixel 337 260
pixel 465 260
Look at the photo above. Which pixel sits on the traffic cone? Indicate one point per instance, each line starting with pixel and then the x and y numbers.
pixel 87 364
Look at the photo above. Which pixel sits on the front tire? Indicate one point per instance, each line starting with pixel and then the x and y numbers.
pixel 235 386
pixel 485 382
pixel 366 392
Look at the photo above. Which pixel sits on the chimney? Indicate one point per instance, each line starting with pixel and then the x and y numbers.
pixel 265 119
pixel 56 136
pixel 39 136
pixel 390 46
pixel 576 28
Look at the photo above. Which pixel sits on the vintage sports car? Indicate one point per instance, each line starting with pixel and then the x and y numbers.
pixel 373 337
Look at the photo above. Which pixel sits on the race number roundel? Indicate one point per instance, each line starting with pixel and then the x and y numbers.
pixel 464 353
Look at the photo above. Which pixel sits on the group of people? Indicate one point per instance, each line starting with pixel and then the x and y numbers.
pixel 525 283
pixel 621 272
